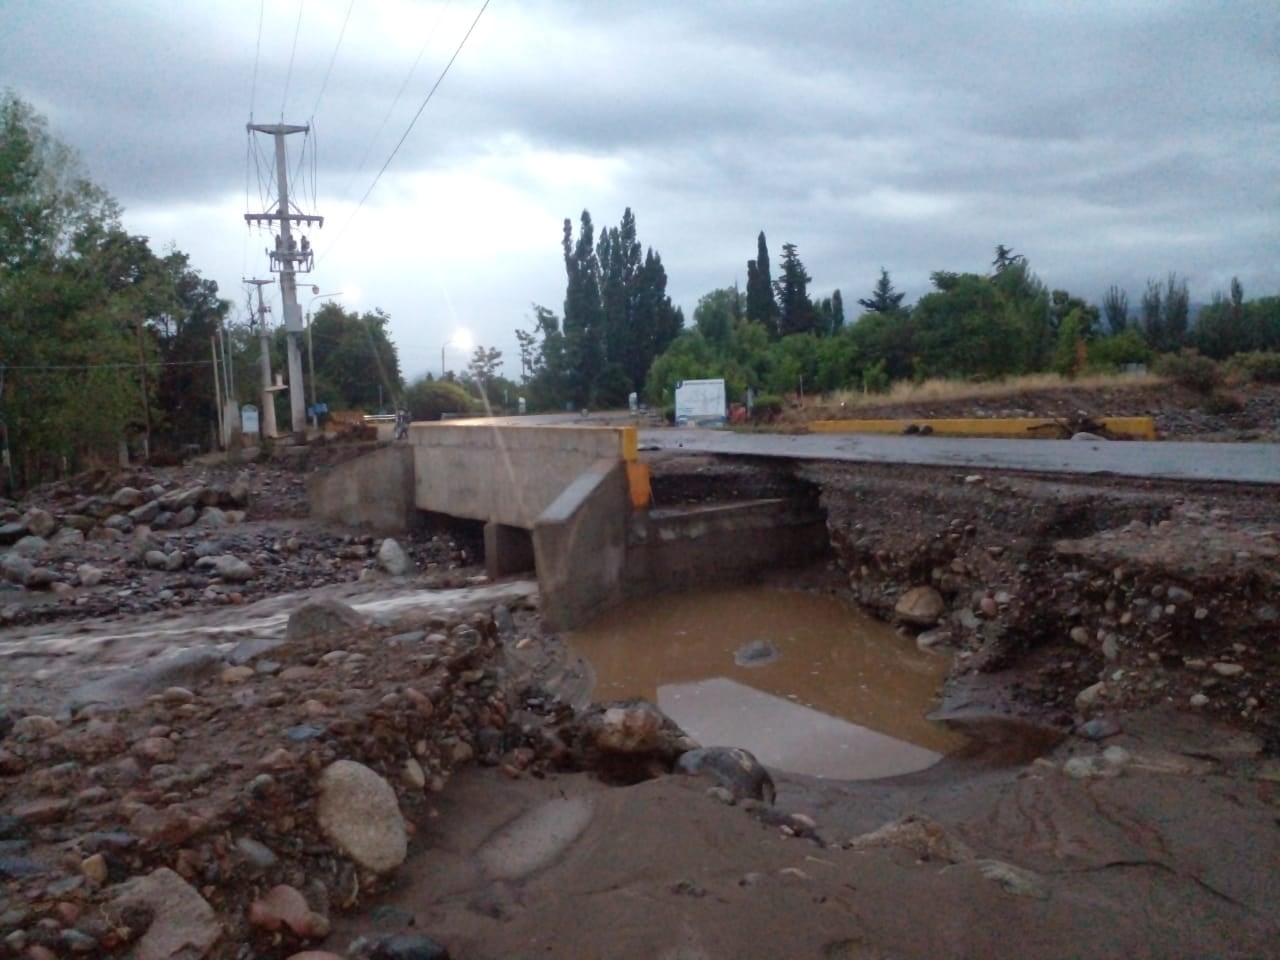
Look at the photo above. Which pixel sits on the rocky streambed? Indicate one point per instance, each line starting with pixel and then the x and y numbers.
pixel 313 781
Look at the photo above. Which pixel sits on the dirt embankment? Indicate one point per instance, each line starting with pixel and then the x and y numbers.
pixel 1079 597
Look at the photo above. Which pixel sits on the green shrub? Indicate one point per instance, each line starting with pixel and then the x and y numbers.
pixel 1109 354
pixel 766 407
pixel 1258 366
pixel 1191 370
pixel 875 379
pixel 431 399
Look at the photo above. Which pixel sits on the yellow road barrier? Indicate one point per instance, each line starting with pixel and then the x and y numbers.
pixel 1035 428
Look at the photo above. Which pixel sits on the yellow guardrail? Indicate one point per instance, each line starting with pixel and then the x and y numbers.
pixel 1035 428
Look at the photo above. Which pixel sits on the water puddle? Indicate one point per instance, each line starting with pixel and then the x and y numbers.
pixel 801 680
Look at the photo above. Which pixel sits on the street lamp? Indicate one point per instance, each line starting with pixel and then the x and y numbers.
pixel 311 361
pixel 461 340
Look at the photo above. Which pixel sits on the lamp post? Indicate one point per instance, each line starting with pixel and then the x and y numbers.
pixel 311 362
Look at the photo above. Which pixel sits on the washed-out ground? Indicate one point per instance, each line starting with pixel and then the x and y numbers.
pixel 1120 798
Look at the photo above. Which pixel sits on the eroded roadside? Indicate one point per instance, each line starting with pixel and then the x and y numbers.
pixel 1147 830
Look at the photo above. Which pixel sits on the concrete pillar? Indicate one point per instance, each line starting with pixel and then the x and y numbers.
pixel 507 550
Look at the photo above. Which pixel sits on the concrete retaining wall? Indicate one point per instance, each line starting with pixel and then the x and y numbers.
pixel 580 544
pixel 679 548
pixel 505 473
pixel 374 491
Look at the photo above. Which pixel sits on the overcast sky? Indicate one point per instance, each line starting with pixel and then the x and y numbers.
pixel 1107 140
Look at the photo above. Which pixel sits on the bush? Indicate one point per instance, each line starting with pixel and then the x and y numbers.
pixel 766 407
pixel 1191 370
pixel 1258 366
pixel 431 399
pixel 1109 354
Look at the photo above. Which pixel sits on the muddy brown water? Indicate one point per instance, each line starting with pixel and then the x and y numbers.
pixel 845 697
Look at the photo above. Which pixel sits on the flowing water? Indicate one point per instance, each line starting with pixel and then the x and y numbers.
pixel 821 689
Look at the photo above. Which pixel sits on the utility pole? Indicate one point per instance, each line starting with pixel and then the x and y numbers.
pixel 288 260
pixel 264 359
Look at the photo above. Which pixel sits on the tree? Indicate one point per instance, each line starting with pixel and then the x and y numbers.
pixel 1152 313
pixel 761 306
pixel 1062 305
pixel 189 314
pixel 617 315
pixel 354 356
pixel 969 328
pixel 484 367
pixel 1222 328
pixel 830 314
pixel 716 313
pixel 1165 312
pixel 1177 306
pixel 547 378
pixel 528 342
pixel 429 399
pixel 583 312
pixel 1006 258
pixel 796 313
pixel 75 295
pixel 883 299
pixel 1115 306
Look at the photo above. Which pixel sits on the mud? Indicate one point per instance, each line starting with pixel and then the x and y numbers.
pixel 843 696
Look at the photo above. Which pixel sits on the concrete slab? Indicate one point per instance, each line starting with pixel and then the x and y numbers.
pixel 786 735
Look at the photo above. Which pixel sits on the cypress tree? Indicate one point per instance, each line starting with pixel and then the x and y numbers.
pixel 760 303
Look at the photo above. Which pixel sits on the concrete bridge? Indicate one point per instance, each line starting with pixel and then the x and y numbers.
pixel 569 501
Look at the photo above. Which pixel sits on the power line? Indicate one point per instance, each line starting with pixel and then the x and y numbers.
pixel 297 27
pixel 325 83
pixel 396 149
pixel 404 84
pixel 257 53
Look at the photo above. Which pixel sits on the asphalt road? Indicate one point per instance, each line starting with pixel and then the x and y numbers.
pixel 1234 462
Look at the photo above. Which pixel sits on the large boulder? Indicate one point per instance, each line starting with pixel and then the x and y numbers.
pixel 31 546
pixel 238 492
pixel 184 925
pixel 394 560
pixel 16 568
pixel 321 617
pixel 128 497
pixel 229 568
pixel 921 606
pixel 39 522
pixel 358 812
pixel 625 741
pixel 733 768
pixel 145 513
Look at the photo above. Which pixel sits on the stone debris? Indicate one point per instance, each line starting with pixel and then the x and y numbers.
pixel 920 606
pixel 358 812
pixel 179 923
pixel 394 560
pixel 923 836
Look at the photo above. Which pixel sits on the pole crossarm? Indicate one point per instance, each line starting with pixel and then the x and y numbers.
pixel 274 128
pixel 291 217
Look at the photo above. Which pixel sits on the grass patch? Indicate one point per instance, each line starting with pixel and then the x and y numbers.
pixel 940 391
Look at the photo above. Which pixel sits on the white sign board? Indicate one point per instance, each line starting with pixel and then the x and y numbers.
pixel 700 401
pixel 249 419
